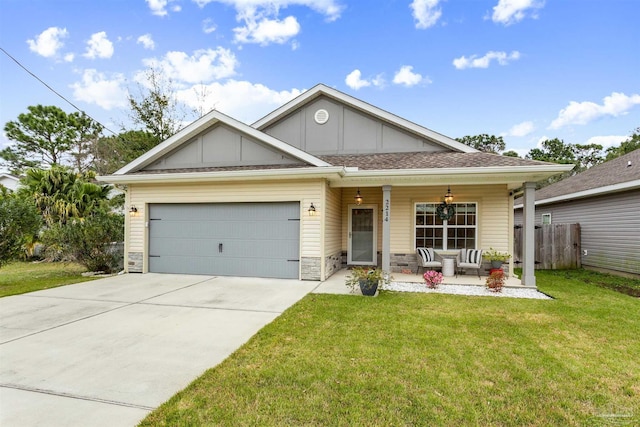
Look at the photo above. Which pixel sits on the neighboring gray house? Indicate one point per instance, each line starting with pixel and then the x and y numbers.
pixel 9 181
pixel 605 201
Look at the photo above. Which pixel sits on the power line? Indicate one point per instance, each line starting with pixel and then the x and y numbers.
pixel 54 91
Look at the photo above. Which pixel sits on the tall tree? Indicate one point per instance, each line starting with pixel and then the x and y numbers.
pixel 625 147
pixel 113 152
pixel 511 153
pixel 587 155
pixel 553 150
pixel 47 136
pixel 484 142
pixel 156 108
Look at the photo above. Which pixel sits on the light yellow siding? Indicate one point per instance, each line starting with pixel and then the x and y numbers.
pixel 333 221
pixel 141 195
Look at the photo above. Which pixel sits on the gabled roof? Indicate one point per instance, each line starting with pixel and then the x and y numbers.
pixel 321 89
pixel 619 174
pixel 204 123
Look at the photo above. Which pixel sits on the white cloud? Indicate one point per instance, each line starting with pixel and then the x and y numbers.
pixel 483 62
pixel 425 12
pixel 580 113
pixel 99 46
pixel 330 8
pixel 262 24
pixel 48 42
pixel 159 7
pixel 243 100
pixel 208 26
pixel 96 88
pixel 69 57
pixel 508 12
pixel 146 41
pixel 265 31
pixel 406 77
pixel 521 129
pixel 607 140
pixel 355 81
pixel 203 66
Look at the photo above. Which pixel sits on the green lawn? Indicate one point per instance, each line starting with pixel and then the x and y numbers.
pixel 431 359
pixel 20 277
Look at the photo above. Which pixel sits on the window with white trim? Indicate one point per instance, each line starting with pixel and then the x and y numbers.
pixel 546 218
pixel 459 232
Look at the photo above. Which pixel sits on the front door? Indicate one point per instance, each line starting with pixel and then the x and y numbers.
pixel 362 238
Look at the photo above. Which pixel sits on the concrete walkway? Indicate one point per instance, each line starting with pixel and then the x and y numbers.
pixel 107 352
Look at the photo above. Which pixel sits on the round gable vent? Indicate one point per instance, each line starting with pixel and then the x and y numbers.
pixel 321 116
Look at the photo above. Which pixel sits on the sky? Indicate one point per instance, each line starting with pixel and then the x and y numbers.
pixel 526 70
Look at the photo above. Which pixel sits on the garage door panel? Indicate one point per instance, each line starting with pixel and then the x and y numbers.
pixel 258 239
pixel 222 267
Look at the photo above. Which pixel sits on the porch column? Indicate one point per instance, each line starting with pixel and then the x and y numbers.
pixel 386 228
pixel 528 241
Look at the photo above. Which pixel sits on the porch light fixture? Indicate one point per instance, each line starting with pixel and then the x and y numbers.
pixel 448 198
pixel 312 210
pixel 133 210
pixel 358 198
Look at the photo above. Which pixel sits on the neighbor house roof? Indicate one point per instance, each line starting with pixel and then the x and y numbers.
pixel 619 174
pixel 357 104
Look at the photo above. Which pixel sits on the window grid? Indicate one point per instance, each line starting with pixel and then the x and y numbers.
pixel 431 231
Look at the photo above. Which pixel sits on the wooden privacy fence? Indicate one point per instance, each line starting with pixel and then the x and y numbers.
pixel 557 246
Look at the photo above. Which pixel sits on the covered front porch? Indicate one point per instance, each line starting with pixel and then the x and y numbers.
pixel 382 225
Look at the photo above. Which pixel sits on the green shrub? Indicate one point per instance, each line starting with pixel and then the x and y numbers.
pixel 19 225
pixel 88 241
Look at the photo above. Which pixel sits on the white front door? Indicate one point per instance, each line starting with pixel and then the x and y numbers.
pixel 362 238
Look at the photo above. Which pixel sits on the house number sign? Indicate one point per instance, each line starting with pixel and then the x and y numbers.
pixel 387 208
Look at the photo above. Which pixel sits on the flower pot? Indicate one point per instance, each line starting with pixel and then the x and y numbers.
pixel 367 287
pixel 496 264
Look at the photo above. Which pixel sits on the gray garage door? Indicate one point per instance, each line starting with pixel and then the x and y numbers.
pixel 226 239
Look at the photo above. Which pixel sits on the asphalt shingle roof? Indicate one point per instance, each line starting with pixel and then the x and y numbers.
pixel 619 170
pixel 426 160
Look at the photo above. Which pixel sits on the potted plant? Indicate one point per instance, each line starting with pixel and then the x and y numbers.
pixel 496 258
pixel 495 281
pixel 368 278
pixel 432 279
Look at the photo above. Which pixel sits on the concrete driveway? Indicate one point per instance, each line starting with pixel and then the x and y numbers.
pixel 107 352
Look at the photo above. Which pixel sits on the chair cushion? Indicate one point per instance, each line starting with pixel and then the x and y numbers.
pixel 473 256
pixel 425 254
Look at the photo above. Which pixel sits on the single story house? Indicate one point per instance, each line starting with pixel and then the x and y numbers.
pixel 9 181
pixel 605 201
pixel 324 181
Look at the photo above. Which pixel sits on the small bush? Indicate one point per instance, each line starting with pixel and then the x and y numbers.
pixel 19 226
pixel 87 241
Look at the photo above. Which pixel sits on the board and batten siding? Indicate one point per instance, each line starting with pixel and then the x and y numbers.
pixel 495 226
pixel 306 191
pixel 609 226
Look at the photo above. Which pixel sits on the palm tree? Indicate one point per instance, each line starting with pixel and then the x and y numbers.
pixel 61 194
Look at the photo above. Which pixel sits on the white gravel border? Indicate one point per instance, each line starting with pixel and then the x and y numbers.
pixel 473 290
